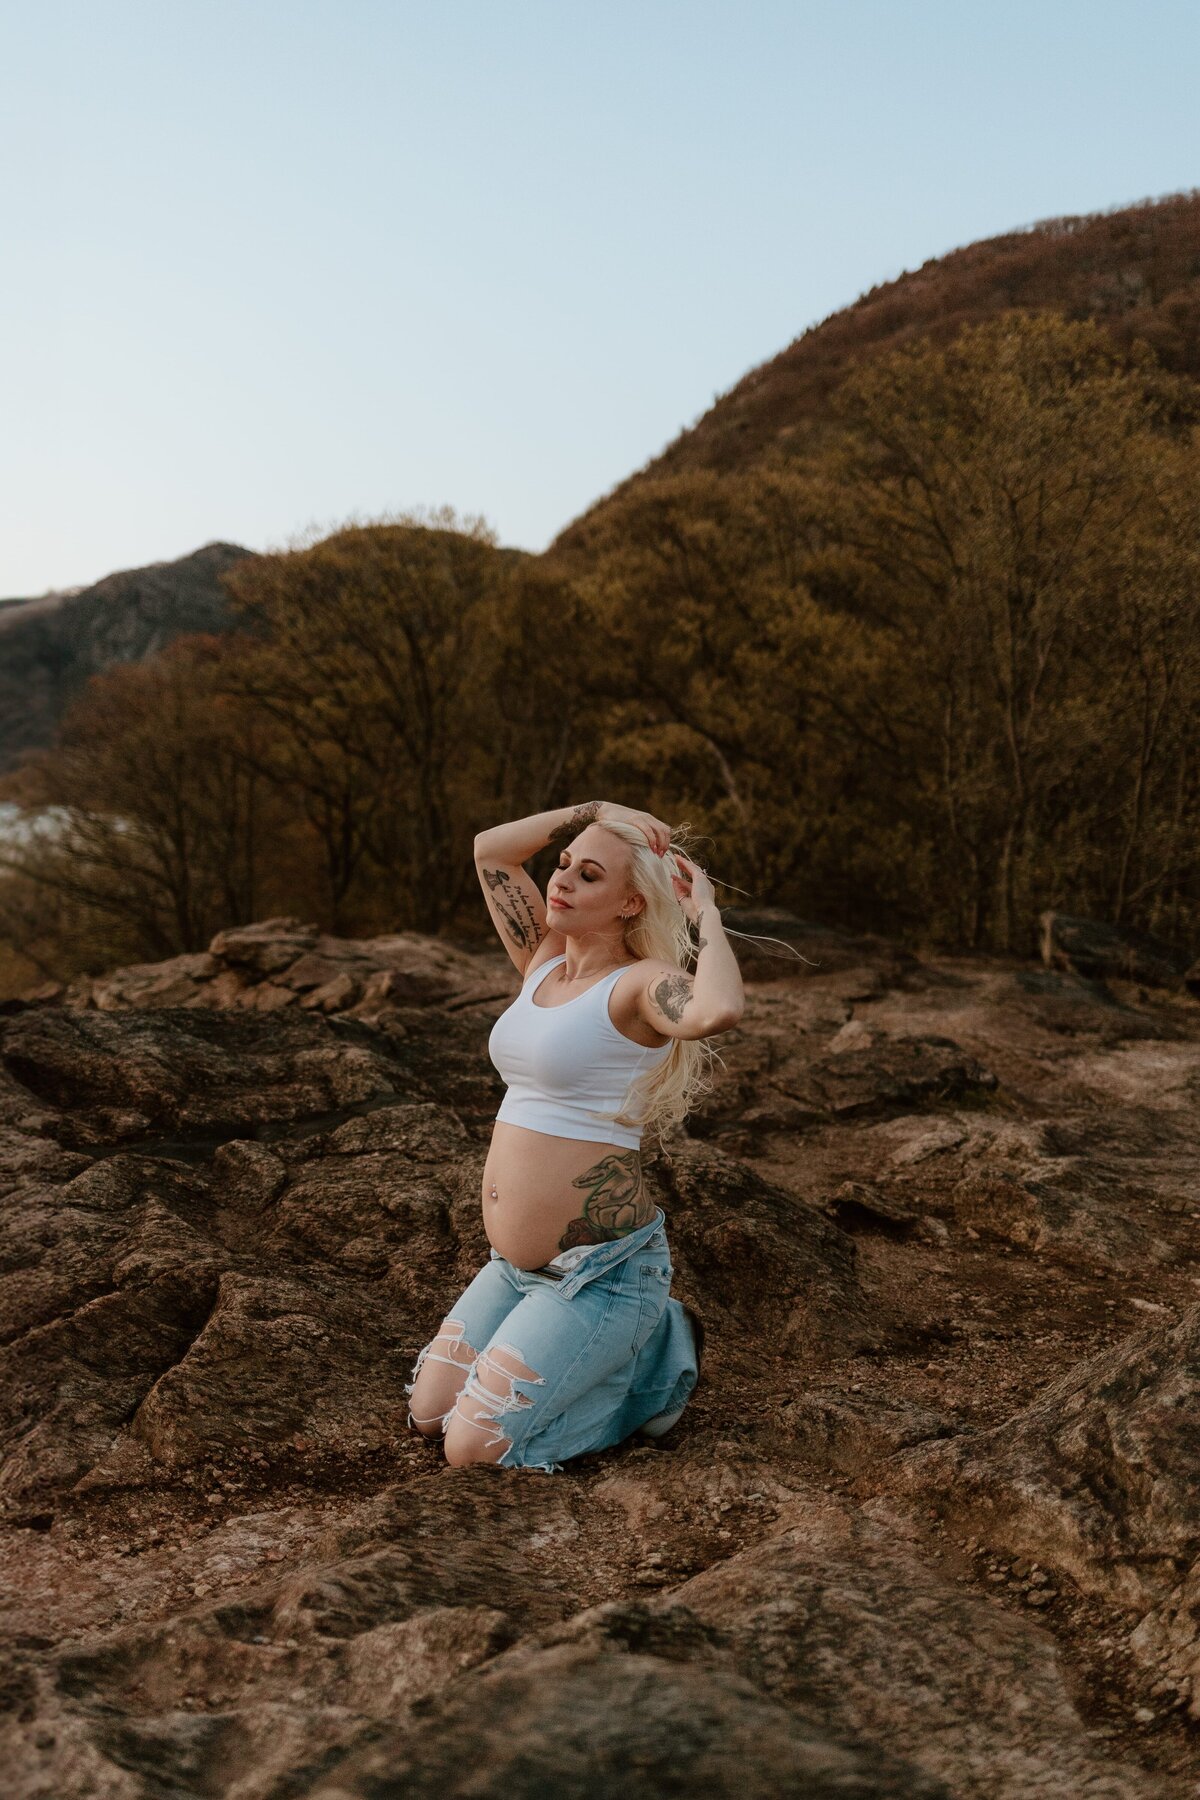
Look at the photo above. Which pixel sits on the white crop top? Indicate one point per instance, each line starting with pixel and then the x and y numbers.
pixel 565 1065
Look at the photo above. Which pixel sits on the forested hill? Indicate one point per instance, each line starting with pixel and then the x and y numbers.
pixel 50 646
pixel 1136 270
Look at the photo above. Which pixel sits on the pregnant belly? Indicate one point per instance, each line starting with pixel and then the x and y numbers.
pixel 553 1192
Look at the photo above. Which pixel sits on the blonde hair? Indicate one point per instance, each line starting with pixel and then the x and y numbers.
pixel 661 1099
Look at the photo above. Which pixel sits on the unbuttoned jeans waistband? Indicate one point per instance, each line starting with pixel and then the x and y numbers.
pixel 605 1256
pixel 608 1255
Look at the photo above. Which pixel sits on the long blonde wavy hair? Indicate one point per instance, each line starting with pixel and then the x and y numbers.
pixel 661 1099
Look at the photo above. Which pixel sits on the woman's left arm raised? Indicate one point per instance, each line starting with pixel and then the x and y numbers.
pixel 717 982
pixel 711 999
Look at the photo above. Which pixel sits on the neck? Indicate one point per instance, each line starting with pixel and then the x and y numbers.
pixel 591 957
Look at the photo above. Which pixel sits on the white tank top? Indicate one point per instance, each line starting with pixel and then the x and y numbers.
pixel 565 1065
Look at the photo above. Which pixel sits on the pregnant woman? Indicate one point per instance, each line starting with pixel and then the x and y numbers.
pixel 567 1340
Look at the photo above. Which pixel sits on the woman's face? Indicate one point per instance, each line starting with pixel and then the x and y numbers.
pixel 591 880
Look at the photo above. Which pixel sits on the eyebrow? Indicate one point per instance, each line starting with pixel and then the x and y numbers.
pixel 590 859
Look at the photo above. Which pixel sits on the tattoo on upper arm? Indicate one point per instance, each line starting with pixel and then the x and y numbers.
pixel 672 994
pixel 583 815
pixel 512 903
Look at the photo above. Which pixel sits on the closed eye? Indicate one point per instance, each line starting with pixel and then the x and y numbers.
pixel 583 872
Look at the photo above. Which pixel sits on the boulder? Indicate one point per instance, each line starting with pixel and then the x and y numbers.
pixel 1092 947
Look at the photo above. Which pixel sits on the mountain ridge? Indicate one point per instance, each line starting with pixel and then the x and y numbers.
pixel 48 652
pixel 1135 269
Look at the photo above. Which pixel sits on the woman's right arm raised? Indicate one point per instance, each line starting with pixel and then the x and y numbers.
pixel 514 901
pixel 515 843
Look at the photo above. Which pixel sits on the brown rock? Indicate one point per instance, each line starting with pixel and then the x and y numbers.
pixel 173 983
pixel 868 1072
pixel 228 1567
pixel 1094 947
pixel 1070 1217
pixel 334 995
pixel 1096 1480
pixel 854 1432
pixel 266 948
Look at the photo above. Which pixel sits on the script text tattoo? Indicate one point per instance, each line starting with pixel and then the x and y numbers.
pixel 512 903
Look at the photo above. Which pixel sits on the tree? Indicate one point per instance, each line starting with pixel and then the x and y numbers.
pixel 977 505
pixel 420 678
pixel 694 588
pixel 150 816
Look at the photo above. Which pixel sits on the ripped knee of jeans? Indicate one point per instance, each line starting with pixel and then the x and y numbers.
pixel 454 1350
pixel 492 1393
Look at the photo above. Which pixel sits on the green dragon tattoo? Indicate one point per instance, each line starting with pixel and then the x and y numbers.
pixel 616 1203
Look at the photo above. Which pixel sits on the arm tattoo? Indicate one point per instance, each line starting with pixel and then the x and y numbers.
pixel 583 815
pixel 672 994
pixel 701 943
pixel 616 1204
pixel 512 904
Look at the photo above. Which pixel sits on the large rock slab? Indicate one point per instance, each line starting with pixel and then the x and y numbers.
pixel 828 1659
pixel 1096 947
pixel 1096 1480
pixel 283 962
pixel 123 1076
pixel 803 1297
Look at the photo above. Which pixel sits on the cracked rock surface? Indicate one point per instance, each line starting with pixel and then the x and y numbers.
pixel 929 1527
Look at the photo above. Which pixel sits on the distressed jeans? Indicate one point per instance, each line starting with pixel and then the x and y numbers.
pixel 608 1347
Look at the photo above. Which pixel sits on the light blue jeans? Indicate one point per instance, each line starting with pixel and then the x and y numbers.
pixel 610 1348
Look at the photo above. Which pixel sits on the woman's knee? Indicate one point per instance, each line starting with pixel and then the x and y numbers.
pixel 490 1408
pixel 438 1377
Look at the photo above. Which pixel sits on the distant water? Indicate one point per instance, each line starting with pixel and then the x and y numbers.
pixel 17 830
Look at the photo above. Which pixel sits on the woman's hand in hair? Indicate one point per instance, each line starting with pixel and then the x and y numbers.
pixel 693 889
pixel 657 834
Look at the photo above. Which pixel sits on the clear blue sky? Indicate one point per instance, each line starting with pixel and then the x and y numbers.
pixel 269 264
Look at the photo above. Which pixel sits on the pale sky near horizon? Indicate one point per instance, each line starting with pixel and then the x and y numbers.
pixel 270 266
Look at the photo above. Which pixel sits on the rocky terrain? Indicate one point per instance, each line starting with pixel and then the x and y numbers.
pixel 929 1527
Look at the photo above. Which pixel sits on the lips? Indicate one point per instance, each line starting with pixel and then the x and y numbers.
pixel 555 901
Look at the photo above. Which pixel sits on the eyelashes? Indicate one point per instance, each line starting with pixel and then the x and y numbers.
pixel 585 877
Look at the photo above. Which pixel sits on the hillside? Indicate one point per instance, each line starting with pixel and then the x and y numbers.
pixel 50 646
pixel 1136 270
